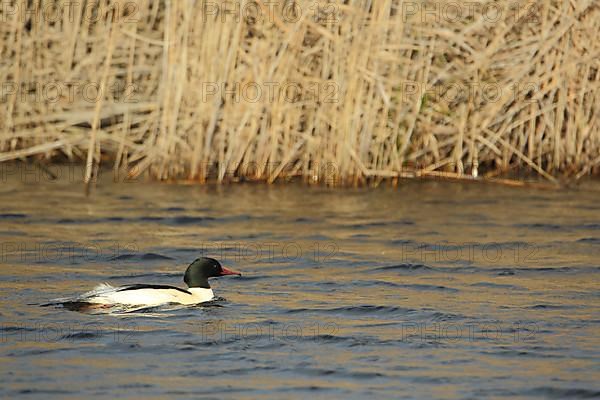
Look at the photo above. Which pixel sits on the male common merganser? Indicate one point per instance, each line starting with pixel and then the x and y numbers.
pixel 196 277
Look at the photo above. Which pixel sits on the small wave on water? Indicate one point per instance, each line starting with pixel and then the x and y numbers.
pixel 353 310
pixel 534 270
pixel 12 216
pixel 553 392
pixel 81 336
pixel 140 257
pixel 413 286
pixel 589 240
pixel 404 267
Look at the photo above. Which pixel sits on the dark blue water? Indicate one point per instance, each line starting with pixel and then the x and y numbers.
pixel 430 290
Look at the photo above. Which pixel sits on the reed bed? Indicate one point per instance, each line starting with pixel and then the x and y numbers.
pixel 343 92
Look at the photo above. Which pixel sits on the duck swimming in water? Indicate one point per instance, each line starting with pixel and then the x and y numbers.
pixel 196 277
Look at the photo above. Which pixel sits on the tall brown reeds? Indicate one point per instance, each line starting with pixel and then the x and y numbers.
pixel 337 92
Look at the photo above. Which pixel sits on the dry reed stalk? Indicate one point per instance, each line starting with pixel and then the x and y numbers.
pixel 386 90
pixel 90 163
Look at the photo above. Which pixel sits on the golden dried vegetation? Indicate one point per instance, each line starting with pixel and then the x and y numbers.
pixel 342 92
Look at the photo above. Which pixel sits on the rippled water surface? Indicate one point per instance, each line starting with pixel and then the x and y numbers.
pixel 431 290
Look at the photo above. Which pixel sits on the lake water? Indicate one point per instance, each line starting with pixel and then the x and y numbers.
pixel 430 290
